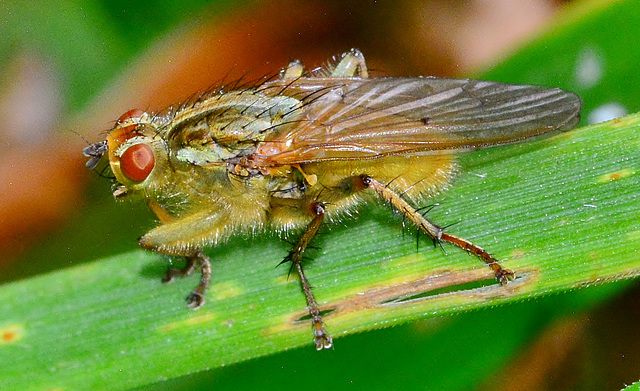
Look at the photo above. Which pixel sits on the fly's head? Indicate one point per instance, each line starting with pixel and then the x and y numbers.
pixel 135 151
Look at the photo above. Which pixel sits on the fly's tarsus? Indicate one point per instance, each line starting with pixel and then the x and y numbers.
pixel 321 338
pixel 502 275
pixel 195 299
pixel 173 272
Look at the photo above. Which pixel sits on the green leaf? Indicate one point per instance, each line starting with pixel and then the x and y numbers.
pixel 633 387
pixel 561 212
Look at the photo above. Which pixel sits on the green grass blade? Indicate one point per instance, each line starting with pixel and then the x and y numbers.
pixel 561 212
pixel 632 387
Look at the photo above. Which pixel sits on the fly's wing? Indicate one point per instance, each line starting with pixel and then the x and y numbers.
pixel 369 118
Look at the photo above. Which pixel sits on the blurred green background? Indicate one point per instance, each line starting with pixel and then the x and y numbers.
pixel 69 70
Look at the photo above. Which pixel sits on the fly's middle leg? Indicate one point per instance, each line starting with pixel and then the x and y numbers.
pixel 434 231
pixel 321 338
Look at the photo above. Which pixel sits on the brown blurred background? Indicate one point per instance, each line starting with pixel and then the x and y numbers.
pixel 41 170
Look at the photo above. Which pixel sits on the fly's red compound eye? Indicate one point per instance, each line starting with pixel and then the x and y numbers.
pixel 137 162
pixel 135 113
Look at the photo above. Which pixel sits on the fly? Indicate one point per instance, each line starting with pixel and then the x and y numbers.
pixel 295 151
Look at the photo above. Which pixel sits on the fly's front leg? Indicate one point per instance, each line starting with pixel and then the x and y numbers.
pixel 434 231
pixel 186 271
pixel 196 299
pixel 198 259
pixel 174 238
pixel 321 338
pixel 351 65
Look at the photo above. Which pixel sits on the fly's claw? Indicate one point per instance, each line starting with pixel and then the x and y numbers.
pixel 505 275
pixel 320 336
pixel 195 300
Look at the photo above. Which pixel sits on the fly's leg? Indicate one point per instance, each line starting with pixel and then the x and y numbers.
pixel 320 336
pixel 195 299
pixel 169 238
pixel 174 272
pixel 352 64
pixel 434 231
pixel 293 71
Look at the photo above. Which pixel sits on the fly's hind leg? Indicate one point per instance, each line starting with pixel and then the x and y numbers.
pixel 435 232
pixel 320 336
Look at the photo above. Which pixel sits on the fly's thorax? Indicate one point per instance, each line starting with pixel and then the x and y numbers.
pixel 229 125
pixel 137 153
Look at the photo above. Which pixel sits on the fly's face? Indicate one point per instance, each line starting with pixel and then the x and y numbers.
pixel 136 152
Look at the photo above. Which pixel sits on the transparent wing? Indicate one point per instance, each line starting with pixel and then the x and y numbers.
pixel 368 118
